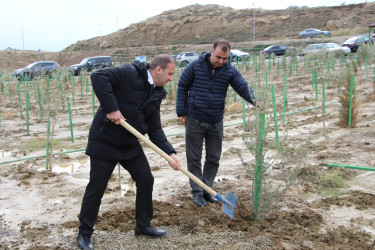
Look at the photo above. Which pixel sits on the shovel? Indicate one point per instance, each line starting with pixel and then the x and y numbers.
pixel 230 201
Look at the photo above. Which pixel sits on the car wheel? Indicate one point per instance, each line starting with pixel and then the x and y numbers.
pixel 184 63
pixel 27 76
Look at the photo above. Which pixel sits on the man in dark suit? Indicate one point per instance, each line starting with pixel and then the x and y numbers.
pixel 132 92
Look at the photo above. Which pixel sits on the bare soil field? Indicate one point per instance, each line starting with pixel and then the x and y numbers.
pixel 39 208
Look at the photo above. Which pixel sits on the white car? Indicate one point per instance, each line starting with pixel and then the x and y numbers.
pixel 329 47
pixel 185 58
pixel 235 53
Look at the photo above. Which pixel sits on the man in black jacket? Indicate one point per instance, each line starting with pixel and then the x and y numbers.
pixel 201 94
pixel 133 92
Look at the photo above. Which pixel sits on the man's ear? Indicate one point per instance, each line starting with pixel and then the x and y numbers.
pixel 158 69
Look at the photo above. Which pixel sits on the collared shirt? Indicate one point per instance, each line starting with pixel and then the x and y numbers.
pixel 150 80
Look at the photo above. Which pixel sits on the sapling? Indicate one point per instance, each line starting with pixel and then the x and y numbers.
pixel 270 159
pixel 52 96
pixel 349 103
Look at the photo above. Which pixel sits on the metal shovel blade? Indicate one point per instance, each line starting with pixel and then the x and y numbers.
pixel 230 204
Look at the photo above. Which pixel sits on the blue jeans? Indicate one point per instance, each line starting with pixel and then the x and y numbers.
pixel 196 133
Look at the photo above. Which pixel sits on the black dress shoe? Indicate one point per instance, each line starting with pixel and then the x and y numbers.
pixel 84 242
pixel 210 198
pixel 150 231
pixel 198 199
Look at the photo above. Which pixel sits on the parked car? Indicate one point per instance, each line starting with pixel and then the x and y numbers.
pixel 91 63
pixel 353 43
pixel 278 50
pixel 36 69
pixel 329 47
pixel 313 33
pixel 185 58
pixel 174 57
pixel 235 54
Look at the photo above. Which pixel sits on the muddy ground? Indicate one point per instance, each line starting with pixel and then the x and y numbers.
pixel 39 208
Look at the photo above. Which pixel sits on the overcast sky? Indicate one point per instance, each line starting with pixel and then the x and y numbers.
pixel 54 25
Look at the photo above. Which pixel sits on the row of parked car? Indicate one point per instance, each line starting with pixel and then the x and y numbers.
pixel 350 45
pixel 49 67
pixel 183 59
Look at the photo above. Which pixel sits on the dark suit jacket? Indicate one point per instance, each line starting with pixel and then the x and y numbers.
pixel 125 88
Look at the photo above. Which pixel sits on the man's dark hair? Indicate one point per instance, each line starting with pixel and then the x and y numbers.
pixel 222 43
pixel 162 61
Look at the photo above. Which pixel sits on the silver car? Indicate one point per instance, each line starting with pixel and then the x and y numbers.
pixel 329 47
pixel 185 58
pixel 313 33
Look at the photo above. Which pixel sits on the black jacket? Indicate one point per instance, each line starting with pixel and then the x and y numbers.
pixel 202 90
pixel 125 88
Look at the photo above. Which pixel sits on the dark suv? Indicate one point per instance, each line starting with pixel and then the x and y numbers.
pixel 36 69
pixel 91 63
pixel 355 42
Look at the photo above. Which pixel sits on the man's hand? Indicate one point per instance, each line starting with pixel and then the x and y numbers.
pixel 115 117
pixel 182 119
pixel 176 164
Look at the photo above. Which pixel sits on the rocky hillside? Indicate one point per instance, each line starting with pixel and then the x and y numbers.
pixel 202 24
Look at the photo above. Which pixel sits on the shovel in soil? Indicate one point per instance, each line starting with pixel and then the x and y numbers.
pixel 230 200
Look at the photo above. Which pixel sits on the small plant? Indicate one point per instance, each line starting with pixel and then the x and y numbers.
pixel 332 182
pixel 349 104
pixel 365 54
pixel 292 54
pixel 53 94
pixel 337 79
pixel 286 160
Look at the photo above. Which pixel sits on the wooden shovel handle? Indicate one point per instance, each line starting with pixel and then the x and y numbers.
pixel 165 156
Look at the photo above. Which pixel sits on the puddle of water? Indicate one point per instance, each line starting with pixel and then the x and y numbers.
pixel 66 168
pixel 4 155
pixel 69 167
pixel 125 188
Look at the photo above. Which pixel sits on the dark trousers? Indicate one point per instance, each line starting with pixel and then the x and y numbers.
pixel 100 172
pixel 212 134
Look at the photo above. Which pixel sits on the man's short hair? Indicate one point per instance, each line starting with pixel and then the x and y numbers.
pixel 162 61
pixel 222 43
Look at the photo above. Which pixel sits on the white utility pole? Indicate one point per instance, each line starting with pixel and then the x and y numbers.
pixel 100 36
pixel 23 42
pixel 254 23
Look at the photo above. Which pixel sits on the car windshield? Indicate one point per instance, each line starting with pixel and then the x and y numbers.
pixel 268 47
pixel 30 65
pixel 84 61
pixel 351 40
pixel 333 45
pixel 310 47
